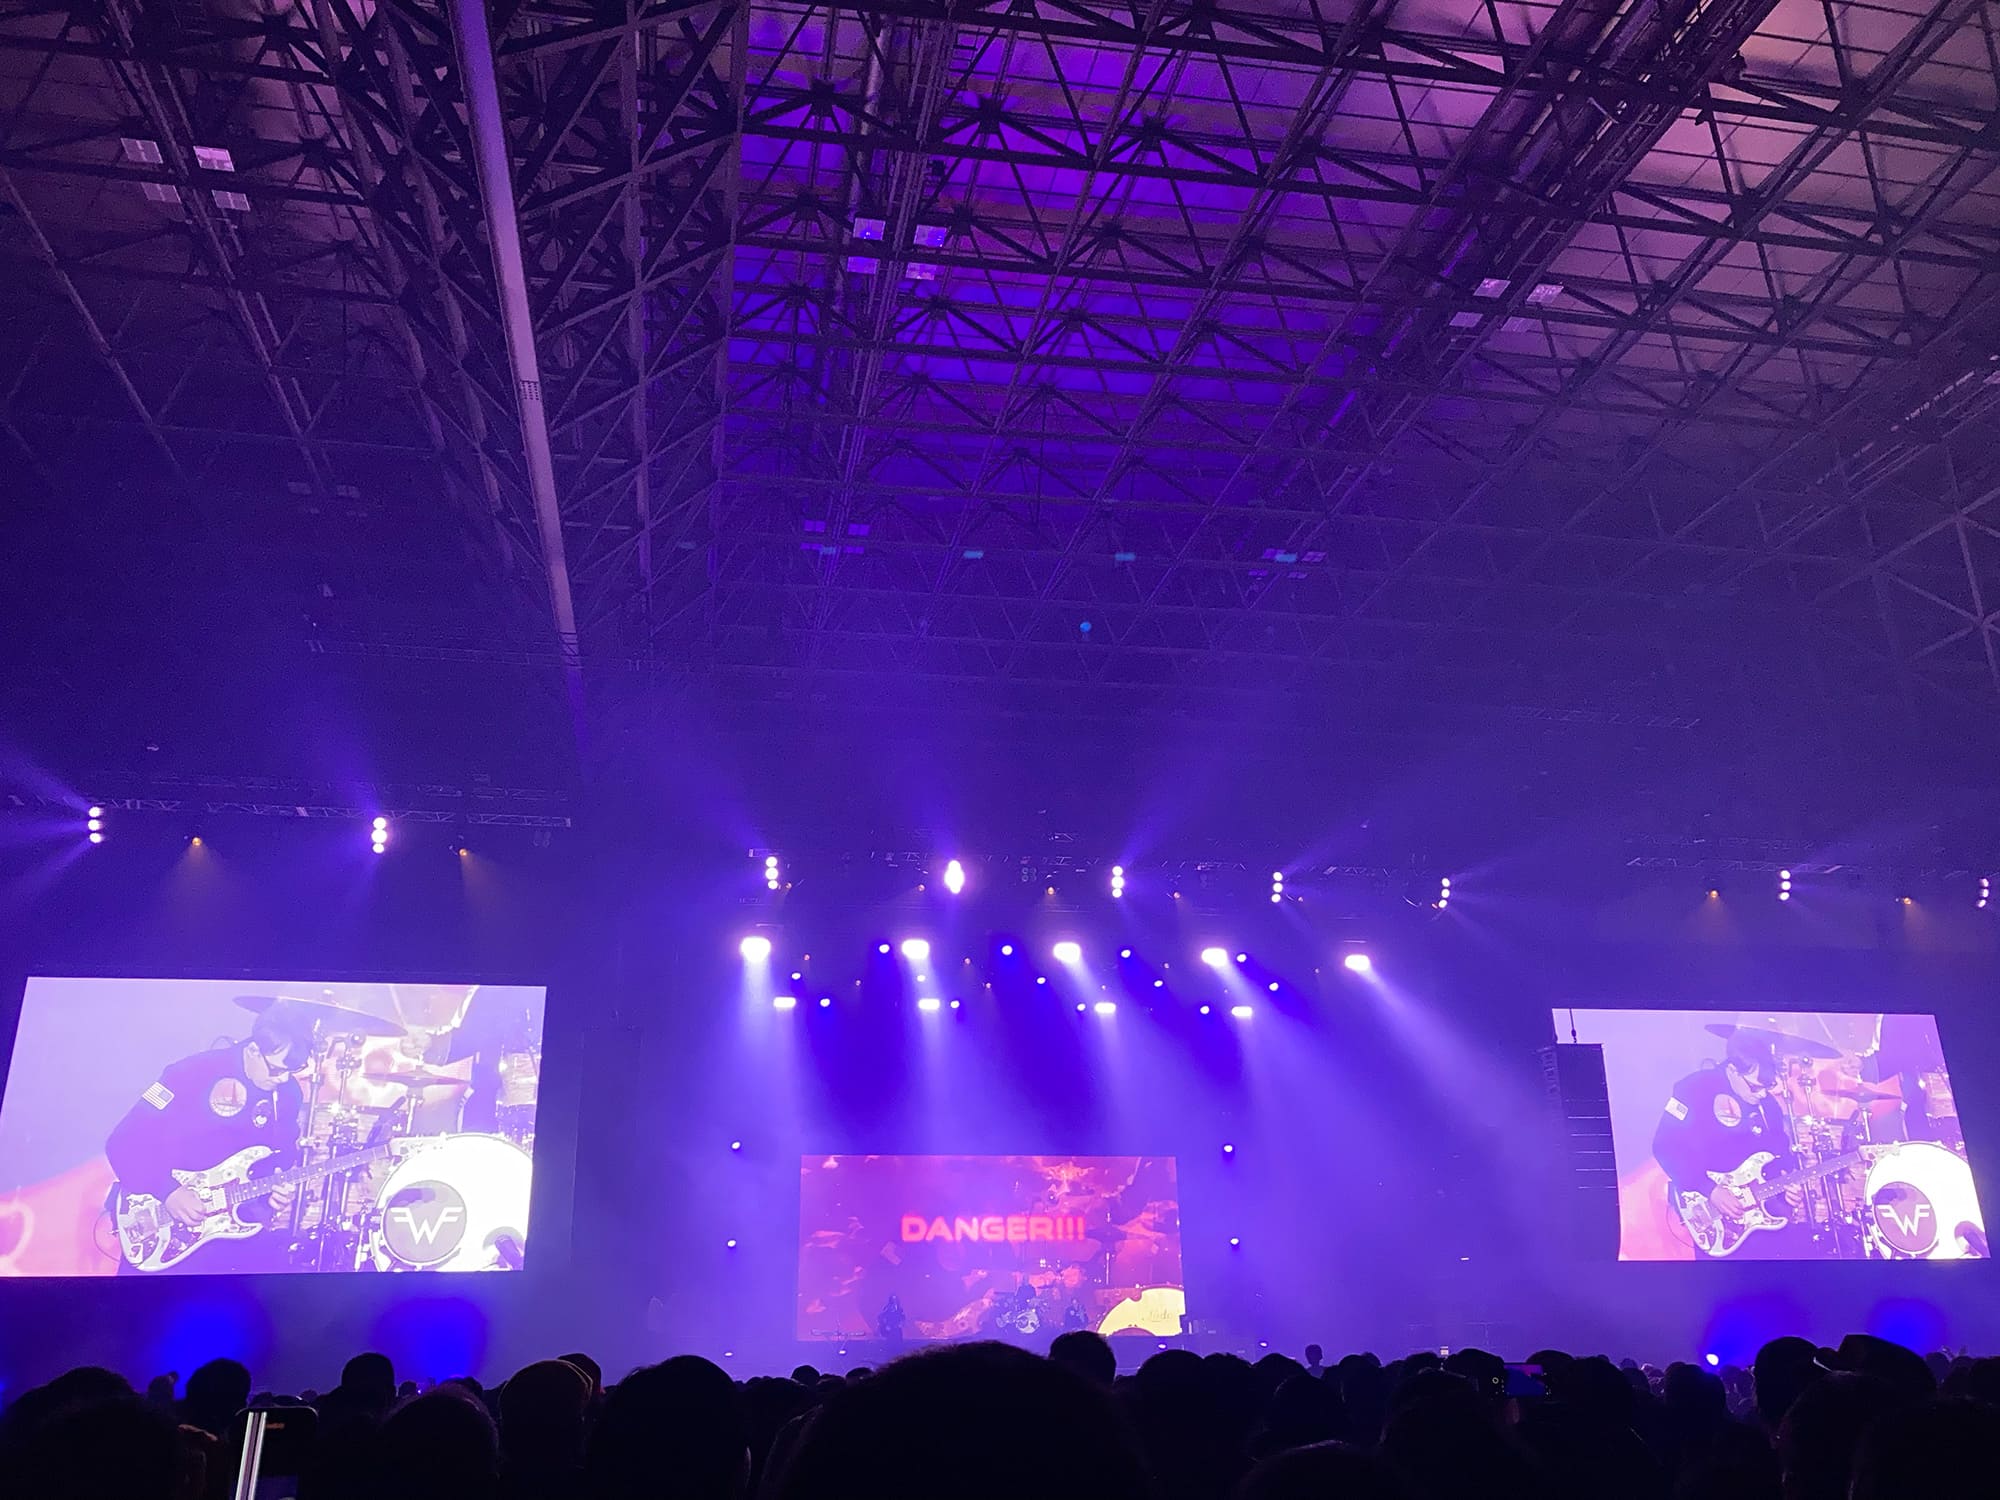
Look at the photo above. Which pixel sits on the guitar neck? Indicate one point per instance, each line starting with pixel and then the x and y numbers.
pixel 263 1187
pixel 1774 1187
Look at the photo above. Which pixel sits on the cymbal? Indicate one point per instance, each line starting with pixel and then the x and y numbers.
pixel 335 1016
pixel 1781 1042
pixel 421 1078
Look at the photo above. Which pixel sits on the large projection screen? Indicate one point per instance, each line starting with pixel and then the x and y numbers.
pixel 154 1127
pixel 1750 1135
pixel 945 1247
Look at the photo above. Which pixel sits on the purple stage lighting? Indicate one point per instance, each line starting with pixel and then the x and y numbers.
pixel 1358 963
pixel 1234 1242
pixel 94 824
pixel 954 877
pixel 1228 1150
pixel 1273 986
pixel 930 1002
pixel 756 948
pixel 1159 984
pixel 1117 881
pixel 729 1244
pixel 784 1002
pixel 882 948
pixel 825 1002
pixel 1205 1010
pixel 1712 1360
pixel 916 950
pixel 1215 958
pixel 1041 979
pixel 378 835
pixel 1241 1012
pixel 956 1003
pixel 1067 952
pixel 1079 1007
pixel 735 1145
pixel 1243 958
pixel 1124 952
pixel 1006 950
pixel 1106 1007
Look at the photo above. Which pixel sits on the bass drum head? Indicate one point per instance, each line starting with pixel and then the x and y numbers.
pixel 455 1203
pixel 1918 1196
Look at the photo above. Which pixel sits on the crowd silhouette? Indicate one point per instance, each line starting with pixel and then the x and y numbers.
pixel 1869 1420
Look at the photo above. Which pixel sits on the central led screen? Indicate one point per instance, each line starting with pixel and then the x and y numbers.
pixel 950 1247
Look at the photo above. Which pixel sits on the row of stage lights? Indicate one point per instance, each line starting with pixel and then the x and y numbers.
pixel 756 950
pixel 96 824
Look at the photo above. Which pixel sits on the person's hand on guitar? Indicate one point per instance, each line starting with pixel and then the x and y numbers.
pixel 1731 1203
pixel 185 1207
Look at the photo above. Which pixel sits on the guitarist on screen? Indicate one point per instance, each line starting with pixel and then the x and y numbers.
pixel 204 1109
pixel 1716 1120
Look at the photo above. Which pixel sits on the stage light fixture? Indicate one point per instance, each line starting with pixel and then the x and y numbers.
pixel 1277 886
pixel 1712 1360
pixel 771 876
pixel 93 824
pixel 735 1145
pixel 1041 979
pixel 1243 958
pixel 956 1003
pixel 1006 950
pixel 1106 1007
pixel 1273 986
pixel 1159 984
pixel 1358 963
pixel 1215 958
pixel 954 877
pixel 1124 952
pixel 1241 1012
pixel 378 835
pixel 1079 1007
pixel 1227 1149
pixel 729 1244
pixel 1235 1243
pixel 930 1002
pixel 1117 882
pixel 784 1002
pixel 882 948
pixel 1985 891
pixel 1444 892
pixel 755 947
pixel 916 950
pixel 1205 1010
pixel 1067 952
pixel 825 1002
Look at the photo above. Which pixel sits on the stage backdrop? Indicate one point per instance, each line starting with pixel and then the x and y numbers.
pixel 970 1246
pixel 386 1126
pixel 1783 1136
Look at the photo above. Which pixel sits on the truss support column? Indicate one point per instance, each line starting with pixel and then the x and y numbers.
pixel 474 41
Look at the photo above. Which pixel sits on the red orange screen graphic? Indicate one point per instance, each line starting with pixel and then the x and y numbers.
pixel 946 1247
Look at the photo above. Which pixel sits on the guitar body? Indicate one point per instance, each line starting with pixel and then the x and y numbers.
pixel 1716 1234
pixel 151 1239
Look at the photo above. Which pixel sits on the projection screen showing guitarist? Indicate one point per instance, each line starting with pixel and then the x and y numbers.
pixel 228 1128
pixel 1799 1136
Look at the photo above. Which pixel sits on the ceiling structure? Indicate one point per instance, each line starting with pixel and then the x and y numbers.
pixel 1372 362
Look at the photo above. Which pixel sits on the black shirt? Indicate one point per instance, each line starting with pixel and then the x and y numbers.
pixel 203 1110
pixel 1707 1127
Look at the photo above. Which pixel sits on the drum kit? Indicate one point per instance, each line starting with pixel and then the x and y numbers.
pixel 440 1197
pixel 1895 1184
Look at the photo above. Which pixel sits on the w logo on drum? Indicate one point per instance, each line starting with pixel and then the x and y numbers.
pixel 1906 1219
pixel 424 1223
pixel 424 1229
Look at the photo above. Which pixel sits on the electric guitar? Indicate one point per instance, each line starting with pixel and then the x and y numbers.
pixel 151 1239
pixel 1715 1233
